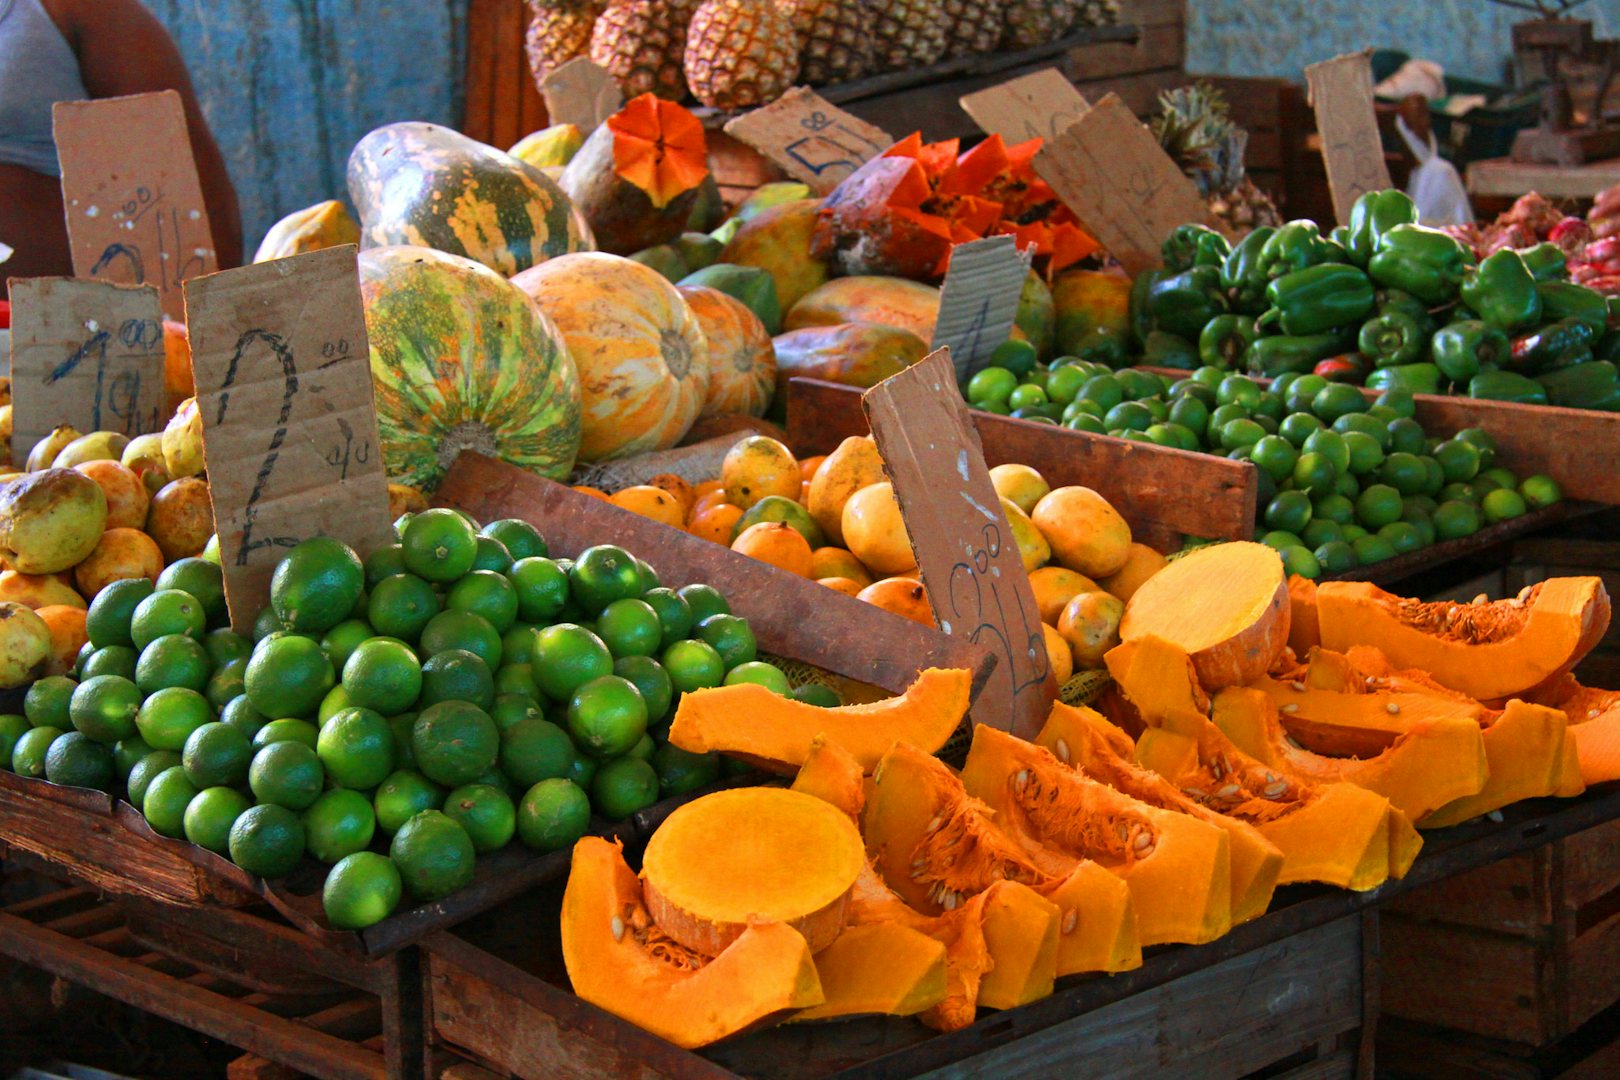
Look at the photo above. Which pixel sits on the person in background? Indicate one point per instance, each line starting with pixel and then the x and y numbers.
pixel 65 50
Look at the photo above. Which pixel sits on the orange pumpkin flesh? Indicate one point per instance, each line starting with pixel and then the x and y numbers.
pixel 832 774
pixel 618 960
pixel 1594 726
pixel 1489 651
pixel 882 968
pixel 1529 756
pixel 1178 868
pixel 750 720
pixel 1157 680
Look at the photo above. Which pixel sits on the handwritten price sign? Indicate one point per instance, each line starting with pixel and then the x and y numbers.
pixel 134 205
pixel 811 139
pixel 283 376
pixel 1342 95
pixel 1037 106
pixel 966 555
pixel 979 301
pixel 84 353
pixel 581 93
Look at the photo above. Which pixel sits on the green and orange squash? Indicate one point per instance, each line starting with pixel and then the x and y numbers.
pixel 326 224
pixel 742 360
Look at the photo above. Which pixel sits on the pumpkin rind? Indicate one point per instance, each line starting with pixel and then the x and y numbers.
pixel 742 360
pixel 430 186
pixel 642 361
pixel 461 359
pixel 767 972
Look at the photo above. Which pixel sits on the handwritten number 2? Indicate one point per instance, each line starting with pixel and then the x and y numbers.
pixel 289 371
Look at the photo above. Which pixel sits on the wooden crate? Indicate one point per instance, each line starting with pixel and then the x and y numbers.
pixel 1162 492
pixel 1138 71
pixel 1592 548
pixel 1524 951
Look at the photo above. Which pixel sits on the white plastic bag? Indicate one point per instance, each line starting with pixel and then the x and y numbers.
pixel 1435 185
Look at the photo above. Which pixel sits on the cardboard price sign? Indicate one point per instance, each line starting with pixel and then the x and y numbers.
pixel 284 388
pixel 134 205
pixel 581 93
pixel 84 353
pixel 1341 92
pixel 811 139
pixel 1110 170
pixel 966 555
pixel 979 300
pixel 1037 106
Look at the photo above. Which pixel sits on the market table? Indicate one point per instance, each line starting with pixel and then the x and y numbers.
pixel 1504 178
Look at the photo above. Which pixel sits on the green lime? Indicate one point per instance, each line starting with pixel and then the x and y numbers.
pixel 520 538
pixel 341 641
pixel 823 697
pixel 361 890
pixel 1404 472
pixel 1461 493
pixel 486 594
pixel 511 709
pixel 1330 445
pixel 1422 522
pixel 582 771
pixel 454 741
pixel 338 824
pixel 1298 559
pixel 46 702
pixel 216 755
pixel 1278 539
pixel 288 677
pixel 1289 510
pixel 517 644
pixel 1319 531
pixel 566 657
pixel 1377 506
pixel 356 748
pixel 439 545
pixel 1336 557
pixel 491 555
pixel 105 707
pixel 674 614
pixel 1366 424
pixel 286 730
pixel 535 749
pixel 452 629
pixel 1459 460
pixel 1483 441
pixel 601 575
pixel 1130 416
pixel 693 665
pixel 434 854
pixel 1276 455
pixel 630 627
pixel 649 677
pixel 1366 455
pixel 680 771
pixel 267 623
pixel 12 727
pixel 516 679
pixel 75 760
pixel 486 814
pixel 144 771
pixel 172 660
pixel 401 605
pixel 108 619
pixel 541 587
pixel 1456 518
pixel 1337 399
pixel 552 815
pixel 1017 357
pixel 1335 508
pixel 624 786
pixel 385 562
pixel 731 637
pixel 1400 401
pixel 1502 477
pixel 703 601
pixel 286 773
pixel 267 840
pixel 1403 536
pixel 240 714
pixel 1540 491
pixel 403 795
pixel 1406 436
pixel 1297 427
pixel 1502 504
pixel 383 675
pixel 1352 532
pixel 203 580
pixel 210 816
pixel 607 716
pixel 1302 391
pixel 1372 548
pixel 649 576
pixel 990 385
pixel 226 684
pixel 335 701
pixel 110 660
pixel 167 611
pixel 164 805
pixel 1240 432
pixel 1238 390
pixel 457 675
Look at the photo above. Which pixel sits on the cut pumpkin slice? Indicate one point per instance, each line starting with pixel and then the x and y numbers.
pixel 1594 726
pixel 1085 739
pixel 1489 651
pixel 1160 682
pixel 618 960
pixel 1528 755
pixel 1431 764
pixel 1335 833
pixel 1333 711
pixel 1304 632
pixel 832 774
pixel 1021 932
pixel 1178 868
pixel 753 722
pixel 884 968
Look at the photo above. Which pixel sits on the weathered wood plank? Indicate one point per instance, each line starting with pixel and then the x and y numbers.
pixel 1513 896
pixel 1491 985
pixel 1591 862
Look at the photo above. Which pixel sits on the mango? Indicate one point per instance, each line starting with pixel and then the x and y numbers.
pixel 50 520
pixel 664 258
pixel 855 464
pixel 853 353
pixel 96 446
pixel 37 590
pixel 25 646
pixel 68 635
pixel 144 457
pixel 896 302
pixel 181 518
pixel 777 240
pixel 44 452
pixel 177 381
pixel 699 249
pixel 121 553
pixel 1087 299
pixel 127 497
pixel 183 441
pixel 761 199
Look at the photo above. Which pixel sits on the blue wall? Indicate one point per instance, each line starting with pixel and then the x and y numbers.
pixel 1279 37
pixel 289 86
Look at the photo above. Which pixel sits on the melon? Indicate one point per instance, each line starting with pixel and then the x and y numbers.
pixel 742 361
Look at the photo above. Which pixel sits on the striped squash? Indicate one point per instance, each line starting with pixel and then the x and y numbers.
pixel 462 360
pixel 427 185
pixel 643 364
pixel 742 361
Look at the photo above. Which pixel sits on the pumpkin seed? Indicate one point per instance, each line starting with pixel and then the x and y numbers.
pixel 1272 791
pixel 1062 749
pixel 934 825
pixel 1481 599
pixel 1291 707
pixel 618 928
pixel 1392 708
pixel 1071 920
pixel 1194 793
pixel 1143 839
pixel 1227 792
pixel 1298 684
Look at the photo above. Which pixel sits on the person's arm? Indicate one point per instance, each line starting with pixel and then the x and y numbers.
pixel 123 49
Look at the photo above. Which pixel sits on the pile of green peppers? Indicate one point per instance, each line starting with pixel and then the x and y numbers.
pixel 1381 300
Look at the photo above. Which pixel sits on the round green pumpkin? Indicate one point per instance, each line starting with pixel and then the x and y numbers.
pixel 462 359
pixel 416 183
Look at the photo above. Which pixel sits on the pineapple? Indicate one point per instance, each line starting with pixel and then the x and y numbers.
pixel 1037 22
pixel 907 33
pixel 642 43
pixel 740 53
pixel 1195 130
pixel 1097 13
pixel 973 26
pixel 559 30
pixel 835 39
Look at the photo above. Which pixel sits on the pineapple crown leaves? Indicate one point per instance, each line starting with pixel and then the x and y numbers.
pixel 1194 127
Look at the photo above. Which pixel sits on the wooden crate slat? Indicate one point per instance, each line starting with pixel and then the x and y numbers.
pixel 1489 984
pixel 1594 960
pixel 1592 860
pixel 1340 1065
pixel 1512 896
pixel 1159 47
pixel 1578 447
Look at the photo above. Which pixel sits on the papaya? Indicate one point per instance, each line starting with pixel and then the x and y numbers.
pixel 908 305
pixel 664 258
pixel 326 224
pixel 853 353
pixel 1087 300
pixel 777 240
pixel 551 146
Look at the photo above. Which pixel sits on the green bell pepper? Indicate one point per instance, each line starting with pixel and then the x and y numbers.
pixel 1373 215
pixel 1503 292
pixel 1391 338
pixel 1413 378
pixel 1241 276
pixel 1547 346
pixel 1340 234
pixel 1225 339
pixel 1406 303
pixel 1567 300
pixel 1463 349
pixel 1296 246
pixel 1182 303
pixel 1608 347
pixel 1546 262
pixel 1462 313
pixel 1142 286
pixel 1188 246
pixel 1507 386
pixel 1419 260
pixel 1104 345
pixel 1585 386
pixel 1169 351
pixel 1280 353
pixel 1318 298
